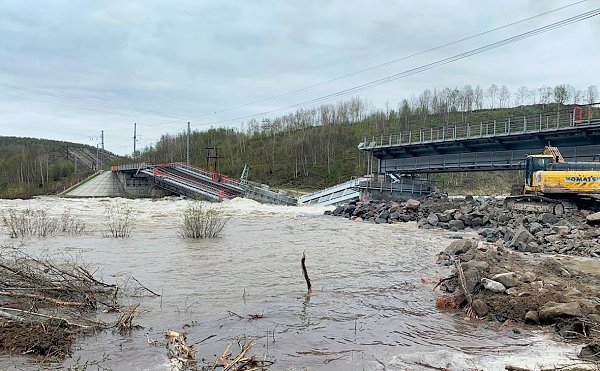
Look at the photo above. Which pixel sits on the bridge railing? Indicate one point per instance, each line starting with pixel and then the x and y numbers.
pixel 509 126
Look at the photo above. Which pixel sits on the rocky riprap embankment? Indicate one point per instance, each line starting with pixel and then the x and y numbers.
pixel 496 283
pixel 573 234
pixel 494 274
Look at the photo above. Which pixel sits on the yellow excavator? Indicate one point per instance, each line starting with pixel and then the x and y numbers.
pixel 553 184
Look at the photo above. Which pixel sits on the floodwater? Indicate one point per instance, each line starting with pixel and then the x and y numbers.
pixel 368 309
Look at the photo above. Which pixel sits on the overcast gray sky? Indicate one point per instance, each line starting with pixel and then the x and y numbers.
pixel 69 69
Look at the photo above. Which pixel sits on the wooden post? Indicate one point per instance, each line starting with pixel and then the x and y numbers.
pixel 305 272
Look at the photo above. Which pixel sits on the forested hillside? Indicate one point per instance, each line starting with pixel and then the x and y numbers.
pixel 30 167
pixel 308 149
pixel 317 147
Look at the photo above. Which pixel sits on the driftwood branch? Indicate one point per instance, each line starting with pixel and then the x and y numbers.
pixel 308 285
pixel 43 298
pixel 4 313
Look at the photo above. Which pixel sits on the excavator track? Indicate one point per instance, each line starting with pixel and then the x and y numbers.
pixel 558 207
pixel 538 204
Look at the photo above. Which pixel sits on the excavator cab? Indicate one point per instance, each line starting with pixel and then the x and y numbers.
pixel 535 163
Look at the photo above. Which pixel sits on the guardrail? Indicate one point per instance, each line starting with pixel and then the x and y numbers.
pixel 510 126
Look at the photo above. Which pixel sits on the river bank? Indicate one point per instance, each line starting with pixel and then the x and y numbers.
pixel 509 266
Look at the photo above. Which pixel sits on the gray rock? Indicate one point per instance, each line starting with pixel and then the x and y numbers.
pixel 532 316
pixel 477 222
pixel 535 227
pixel 405 218
pixel 522 235
pixel 593 219
pixel 451 212
pixel 528 277
pixel 471 279
pixel 492 285
pixel 548 218
pixel 395 215
pixel 383 215
pixel 530 247
pixel 443 217
pixel 481 265
pixel 551 311
pixel 503 219
pixel 412 204
pixel 381 221
pixel 480 307
pixel 456 225
pixel 552 238
pixel 432 219
pixel 422 222
pixel 509 279
pixel 561 230
pixel 460 246
pixel 338 210
pixel 513 291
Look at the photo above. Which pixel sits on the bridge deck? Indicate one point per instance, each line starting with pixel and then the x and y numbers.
pixel 525 132
pixel 190 181
pixel 487 146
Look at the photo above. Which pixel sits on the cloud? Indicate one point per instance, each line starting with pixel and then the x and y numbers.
pixel 187 59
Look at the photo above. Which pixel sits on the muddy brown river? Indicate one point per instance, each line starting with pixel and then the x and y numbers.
pixel 368 310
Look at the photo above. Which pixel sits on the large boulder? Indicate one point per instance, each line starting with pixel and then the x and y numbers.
pixel 492 285
pixel 548 218
pixel 338 210
pixel 522 235
pixel 593 219
pixel 412 204
pixel 480 307
pixel 509 279
pixel 460 246
pixel 444 217
pixel 456 225
pixel 551 311
pixel 433 219
pixel 535 227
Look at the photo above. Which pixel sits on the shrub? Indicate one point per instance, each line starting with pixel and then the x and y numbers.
pixel 30 222
pixel 199 221
pixel 70 225
pixel 119 219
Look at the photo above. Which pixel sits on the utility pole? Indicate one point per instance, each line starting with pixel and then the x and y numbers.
pixel 102 153
pixel 211 156
pixel 188 144
pixel 134 137
pixel 97 167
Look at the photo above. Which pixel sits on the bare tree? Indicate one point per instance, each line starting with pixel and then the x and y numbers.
pixel 492 94
pixel 545 95
pixel 478 97
pixel 591 94
pixel 577 96
pixel 523 93
pixel 468 98
pixel 504 97
pixel 424 103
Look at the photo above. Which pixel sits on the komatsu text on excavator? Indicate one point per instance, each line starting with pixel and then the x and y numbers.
pixel 553 185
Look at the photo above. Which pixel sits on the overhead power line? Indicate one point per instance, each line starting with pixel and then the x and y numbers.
pixel 177 118
pixel 419 69
pixel 262 100
pixel 92 102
